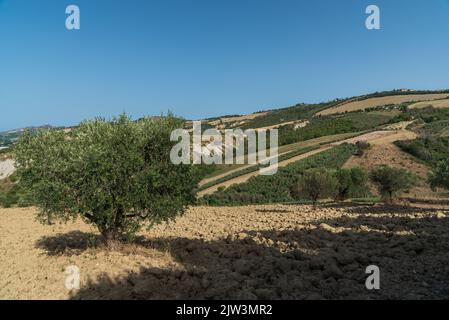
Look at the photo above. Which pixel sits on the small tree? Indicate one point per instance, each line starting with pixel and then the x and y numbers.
pixel 391 181
pixel 351 182
pixel 315 184
pixel 439 176
pixel 115 175
pixel 362 146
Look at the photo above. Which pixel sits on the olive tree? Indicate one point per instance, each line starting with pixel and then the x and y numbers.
pixel 116 175
pixel 439 176
pixel 391 181
pixel 315 184
pixel 351 182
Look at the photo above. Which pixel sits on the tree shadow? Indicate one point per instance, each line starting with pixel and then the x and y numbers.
pixel 71 243
pixel 326 259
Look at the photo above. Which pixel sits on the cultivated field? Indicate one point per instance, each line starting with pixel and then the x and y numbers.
pixel 265 252
pixel 436 104
pixel 382 101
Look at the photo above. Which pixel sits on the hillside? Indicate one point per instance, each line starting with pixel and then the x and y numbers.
pixel 309 130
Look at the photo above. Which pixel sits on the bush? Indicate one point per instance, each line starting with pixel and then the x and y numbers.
pixel 315 184
pixel 391 181
pixel 362 146
pixel 115 175
pixel 439 176
pixel 351 183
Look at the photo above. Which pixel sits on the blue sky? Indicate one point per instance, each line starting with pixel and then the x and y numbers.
pixel 201 58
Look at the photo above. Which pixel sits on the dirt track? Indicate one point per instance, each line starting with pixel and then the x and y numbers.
pixel 265 252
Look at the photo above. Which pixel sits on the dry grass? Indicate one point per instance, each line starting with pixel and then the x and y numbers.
pixel 236 119
pixel 382 101
pixel 436 104
pixel 265 252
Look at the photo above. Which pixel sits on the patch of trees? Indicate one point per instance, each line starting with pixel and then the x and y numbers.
pixel 331 125
pixel 254 168
pixel 277 188
pixel 430 149
pixel 297 112
pixel 339 184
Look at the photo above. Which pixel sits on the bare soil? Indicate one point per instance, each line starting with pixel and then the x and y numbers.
pixel 390 154
pixel 257 252
pixel 6 168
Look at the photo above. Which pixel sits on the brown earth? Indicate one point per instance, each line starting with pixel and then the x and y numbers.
pixel 382 101
pixel 264 252
pixel 436 104
pixel 237 118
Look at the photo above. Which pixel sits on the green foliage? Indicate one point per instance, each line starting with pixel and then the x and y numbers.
pixel 297 112
pixel 439 176
pixel 391 181
pixel 254 168
pixel 331 125
pixel 317 128
pixel 362 146
pixel 276 188
pixel 11 194
pixel 314 184
pixel 430 149
pixel 351 183
pixel 8 138
pixel 116 175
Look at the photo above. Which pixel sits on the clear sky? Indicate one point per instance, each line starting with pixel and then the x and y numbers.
pixel 201 58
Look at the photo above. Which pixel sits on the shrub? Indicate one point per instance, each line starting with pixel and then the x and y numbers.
pixel 315 184
pixel 362 146
pixel 391 181
pixel 116 175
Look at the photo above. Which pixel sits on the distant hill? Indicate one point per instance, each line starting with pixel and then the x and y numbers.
pixel 299 115
pixel 8 138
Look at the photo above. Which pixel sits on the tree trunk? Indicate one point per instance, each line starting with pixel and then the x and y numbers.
pixel 111 238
